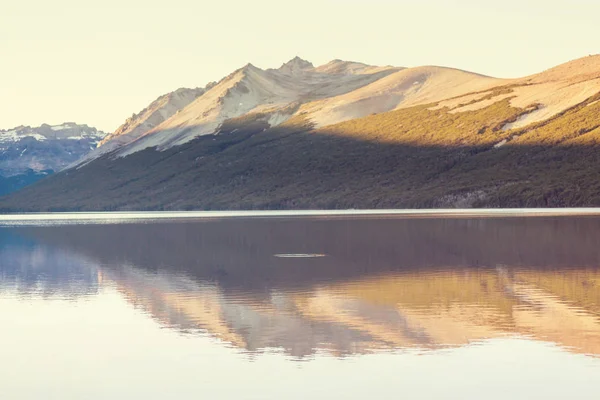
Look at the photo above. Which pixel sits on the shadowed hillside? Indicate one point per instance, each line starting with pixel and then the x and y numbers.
pixel 423 156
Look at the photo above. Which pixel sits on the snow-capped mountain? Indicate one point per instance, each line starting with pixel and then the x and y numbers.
pixel 66 131
pixel 27 153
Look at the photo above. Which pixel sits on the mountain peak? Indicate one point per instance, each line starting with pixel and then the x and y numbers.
pixel 244 69
pixel 296 64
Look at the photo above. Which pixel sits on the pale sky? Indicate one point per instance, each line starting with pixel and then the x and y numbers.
pixel 98 61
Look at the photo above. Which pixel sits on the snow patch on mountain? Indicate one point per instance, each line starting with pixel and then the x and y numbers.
pixel 49 132
pixel 17 134
pixel 481 104
pixel 47 147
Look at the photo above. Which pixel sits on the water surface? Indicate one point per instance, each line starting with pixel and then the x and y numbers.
pixel 316 306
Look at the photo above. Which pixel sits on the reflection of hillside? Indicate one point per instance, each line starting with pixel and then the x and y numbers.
pixel 238 253
pixel 434 289
pixel 548 317
pixel 485 308
pixel 581 287
pixel 439 307
pixel 240 319
pixel 385 284
pixel 367 315
pixel 30 268
pixel 175 301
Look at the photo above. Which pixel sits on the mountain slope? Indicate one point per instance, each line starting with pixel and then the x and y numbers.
pixel 138 124
pixel 248 90
pixel 413 157
pixel 404 88
pixel 439 146
pixel 332 93
pixel 546 94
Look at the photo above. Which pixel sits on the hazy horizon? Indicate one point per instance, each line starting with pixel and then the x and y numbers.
pixel 98 64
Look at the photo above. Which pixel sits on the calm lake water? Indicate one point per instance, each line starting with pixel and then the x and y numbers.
pixel 350 307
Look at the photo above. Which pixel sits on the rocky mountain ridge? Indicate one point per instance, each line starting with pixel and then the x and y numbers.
pixel 249 90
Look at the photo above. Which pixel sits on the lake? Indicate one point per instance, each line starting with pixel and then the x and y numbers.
pixel 284 305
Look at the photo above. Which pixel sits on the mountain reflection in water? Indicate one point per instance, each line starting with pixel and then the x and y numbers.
pixel 383 283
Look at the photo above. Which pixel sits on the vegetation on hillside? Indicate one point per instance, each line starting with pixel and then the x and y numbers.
pixel 414 157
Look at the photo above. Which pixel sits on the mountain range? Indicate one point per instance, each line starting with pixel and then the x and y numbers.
pixel 346 135
pixel 29 154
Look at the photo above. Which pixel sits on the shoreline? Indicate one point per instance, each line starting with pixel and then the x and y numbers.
pixel 132 216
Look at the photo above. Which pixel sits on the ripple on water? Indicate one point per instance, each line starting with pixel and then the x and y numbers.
pixel 300 255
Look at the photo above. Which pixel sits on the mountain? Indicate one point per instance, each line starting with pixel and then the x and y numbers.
pixel 349 135
pixel 273 94
pixel 28 154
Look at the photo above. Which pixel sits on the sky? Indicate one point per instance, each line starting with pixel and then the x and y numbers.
pixel 98 62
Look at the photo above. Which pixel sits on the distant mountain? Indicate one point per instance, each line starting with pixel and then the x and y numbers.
pixel 28 154
pixel 347 135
